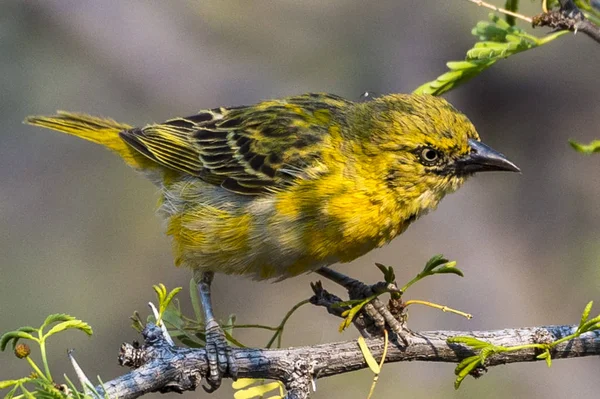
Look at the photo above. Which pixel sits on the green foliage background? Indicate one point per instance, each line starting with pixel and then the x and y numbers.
pixel 79 235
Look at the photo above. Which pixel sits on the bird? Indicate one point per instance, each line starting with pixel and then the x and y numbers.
pixel 291 185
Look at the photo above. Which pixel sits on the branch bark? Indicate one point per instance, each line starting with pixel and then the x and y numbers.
pixel 568 17
pixel 159 367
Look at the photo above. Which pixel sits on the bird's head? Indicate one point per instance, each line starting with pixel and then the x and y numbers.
pixel 423 148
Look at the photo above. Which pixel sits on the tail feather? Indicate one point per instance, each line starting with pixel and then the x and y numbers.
pixel 98 130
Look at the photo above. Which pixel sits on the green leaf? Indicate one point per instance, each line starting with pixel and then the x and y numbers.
pixel 230 324
pixel 586 314
pixel 464 372
pixel 11 393
pixel 449 269
pixel 469 341
pixel 369 358
pixel 434 262
pixel 164 297
pixel 195 298
pixel 388 272
pixel 9 383
pixel 174 318
pixel 232 340
pixel 15 336
pixel 161 291
pixel 546 355
pixel 511 5
pixel 549 361
pixel 27 329
pixel 171 295
pixel 67 325
pixel 497 40
pixel 349 302
pixel 590 148
pixel 351 313
pixel 465 362
pixel 55 318
pixel 28 394
pixel 589 325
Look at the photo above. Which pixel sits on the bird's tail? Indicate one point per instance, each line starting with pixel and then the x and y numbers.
pixel 97 130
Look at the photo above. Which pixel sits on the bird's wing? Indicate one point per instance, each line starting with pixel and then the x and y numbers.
pixel 248 150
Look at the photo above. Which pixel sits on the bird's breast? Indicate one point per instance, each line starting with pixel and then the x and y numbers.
pixel 282 234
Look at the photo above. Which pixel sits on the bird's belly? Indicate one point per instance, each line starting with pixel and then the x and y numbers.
pixel 269 237
pixel 258 245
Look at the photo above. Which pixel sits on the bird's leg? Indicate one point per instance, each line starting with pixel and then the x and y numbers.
pixel 218 351
pixel 375 309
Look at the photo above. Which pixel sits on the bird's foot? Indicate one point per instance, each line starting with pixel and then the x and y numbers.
pixel 220 357
pixel 374 316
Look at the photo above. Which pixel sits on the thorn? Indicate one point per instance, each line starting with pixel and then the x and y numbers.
pixel 85 382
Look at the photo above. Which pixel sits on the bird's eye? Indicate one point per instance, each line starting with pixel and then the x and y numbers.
pixel 429 156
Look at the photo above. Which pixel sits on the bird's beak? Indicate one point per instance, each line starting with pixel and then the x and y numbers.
pixel 484 159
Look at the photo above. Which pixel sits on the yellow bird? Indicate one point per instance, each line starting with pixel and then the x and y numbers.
pixel 288 186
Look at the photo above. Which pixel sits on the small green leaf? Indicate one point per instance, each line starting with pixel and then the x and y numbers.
pixel 351 313
pixel 28 329
pixel 497 39
pixel 434 262
pixel 66 325
pixel 232 340
pixel 449 269
pixel 174 318
pixel 369 358
pixel 462 374
pixel 589 325
pixel 15 336
pixel 458 65
pixel 195 298
pixel 28 394
pixel 55 318
pixel 171 295
pixel 9 383
pixel 388 272
pixel 190 342
pixel 590 148
pixel 12 391
pixel 546 355
pixel 349 302
pixel 511 5
pixel 586 313
pixel 465 362
pixel 469 341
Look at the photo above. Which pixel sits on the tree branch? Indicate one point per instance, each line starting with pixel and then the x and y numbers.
pixel 163 368
pixel 568 17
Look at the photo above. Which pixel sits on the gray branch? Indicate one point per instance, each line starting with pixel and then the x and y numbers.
pixel 568 17
pixel 158 367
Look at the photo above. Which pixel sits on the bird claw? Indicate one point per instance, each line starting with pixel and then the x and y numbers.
pixel 220 357
pixel 376 315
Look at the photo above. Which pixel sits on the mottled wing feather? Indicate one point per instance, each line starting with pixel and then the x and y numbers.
pixel 248 150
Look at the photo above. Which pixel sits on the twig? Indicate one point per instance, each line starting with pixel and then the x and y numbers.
pixel 501 10
pixel 568 17
pixel 443 308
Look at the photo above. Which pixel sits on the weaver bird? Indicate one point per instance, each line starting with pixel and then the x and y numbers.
pixel 288 186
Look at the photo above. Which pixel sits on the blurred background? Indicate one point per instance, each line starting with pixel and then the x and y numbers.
pixel 79 234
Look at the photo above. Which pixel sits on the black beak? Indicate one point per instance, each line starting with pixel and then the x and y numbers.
pixel 484 159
